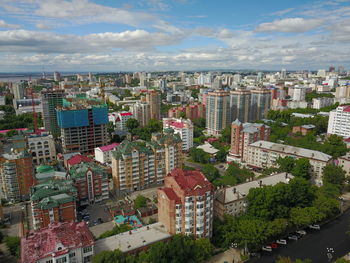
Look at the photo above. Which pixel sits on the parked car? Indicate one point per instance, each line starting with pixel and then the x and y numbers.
pixel 315 227
pixel 281 241
pixel 293 237
pixel 273 245
pixel 301 232
pixel 267 248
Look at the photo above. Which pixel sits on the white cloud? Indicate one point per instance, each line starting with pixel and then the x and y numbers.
pixel 297 24
pixel 42 26
pixel 3 24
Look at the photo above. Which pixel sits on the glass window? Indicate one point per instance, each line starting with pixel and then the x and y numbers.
pixel 87 249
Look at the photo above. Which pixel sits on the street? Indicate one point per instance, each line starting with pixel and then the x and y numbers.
pixel 314 245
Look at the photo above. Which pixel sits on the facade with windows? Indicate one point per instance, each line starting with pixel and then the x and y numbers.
pixel 182 127
pixel 185 203
pixel 58 243
pixel 218 113
pixel 263 154
pixel 42 147
pixel 339 121
pixel 239 104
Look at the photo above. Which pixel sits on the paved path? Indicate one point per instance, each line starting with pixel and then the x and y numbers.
pixel 314 245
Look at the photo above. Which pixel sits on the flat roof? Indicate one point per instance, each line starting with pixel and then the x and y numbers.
pixel 138 238
pixel 208 148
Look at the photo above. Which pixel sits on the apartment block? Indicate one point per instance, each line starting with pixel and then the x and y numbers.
pixel 240 100
pixel 154 100
pixel 91 182
pixel 185 203
pixel 141 111
pixel 58 242
pixel 233 200
pixel 83 125
pixel 318 103
pixel 103 153
pixel 218 114
pixel 260 104
pixel 192 111
pixel 182 127
pixel 51 99
pixel 243 134
pixel 53 201
pixel 262 154
pixel 42 147
pixel 339 121
pixel 136 165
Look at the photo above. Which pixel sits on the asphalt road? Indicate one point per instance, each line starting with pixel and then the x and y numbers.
pixel 314 245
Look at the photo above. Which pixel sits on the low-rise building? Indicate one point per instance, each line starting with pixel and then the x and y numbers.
pixel 303 129
pixel 103 153
pixel 232 200
pixel 184 128
pixel 42 147
pixel 263 154
pixel 119 119
pixel 59 242
pixel 185 203
pixel 318 103
pixel 344 163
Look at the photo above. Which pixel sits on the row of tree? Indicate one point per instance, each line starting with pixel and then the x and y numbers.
pixel 180 249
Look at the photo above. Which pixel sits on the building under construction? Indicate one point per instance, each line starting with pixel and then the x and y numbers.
pixel 83 124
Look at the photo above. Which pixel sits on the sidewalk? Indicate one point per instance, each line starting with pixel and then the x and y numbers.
pixel 231 255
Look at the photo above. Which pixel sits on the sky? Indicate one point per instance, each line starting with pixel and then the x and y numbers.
pixel 161 35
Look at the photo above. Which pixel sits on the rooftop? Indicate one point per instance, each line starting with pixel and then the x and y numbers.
pixel 240 191
pixel 300 152
pixel 208 148
pixel 109 147
pixel 138 238
pixel 56 238
pixel 79 170
pixel 78 158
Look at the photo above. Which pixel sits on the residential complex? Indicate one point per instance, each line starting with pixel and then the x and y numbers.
pixel 192 111
pixel 260 104
pixel 138 165
pixel 185 203
pixel 233 200
pixel 239 103
pixel 83 125
pixel 339 121
pixel 243 134
pixel 182 127
pixel 153 99
pixel 59 243
pixel 218 115
pixel 262 154
pixel 50 100
pixel 103 153
pixel 141 111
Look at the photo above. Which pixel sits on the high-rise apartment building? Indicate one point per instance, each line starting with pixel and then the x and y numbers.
pixel 192 111
pixel 243 134
pixel 59 243
pixel 154 100
pixel 185 203
pixel 260 104
pixel 218 114
pixel 83 125
pixel 141 111
pixel 342 92
pixel 339 121
pixel 137 166
pixel 50 100
pixel 18 90
pixel 182 127
pixel 16 170
pixel 240 104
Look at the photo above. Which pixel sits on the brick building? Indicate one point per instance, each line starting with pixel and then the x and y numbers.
pixel 191 111
pixel 59 242
pixel 185 203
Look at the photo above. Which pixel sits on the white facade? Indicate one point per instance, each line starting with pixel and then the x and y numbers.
pixel 318 103
pixel 299 94
pixel 42 147
pixel 141 112
pixel 263 154
pixel 119 119
pixel 103 154
pixel 77 255
pixel 184 128
pixel 339 121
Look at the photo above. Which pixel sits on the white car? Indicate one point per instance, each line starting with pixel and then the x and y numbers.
pixel 281 241
pixel 301 232
pixel 315 227
pixel 293 237
pixel 267 248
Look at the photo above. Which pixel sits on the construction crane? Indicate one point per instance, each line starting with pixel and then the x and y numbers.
pixel 31 93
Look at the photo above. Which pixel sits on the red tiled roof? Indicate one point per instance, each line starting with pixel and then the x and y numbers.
pixel 76 159
pixel 346 108
pixel 192 182
pixel 347 140
pixel 177 124
pixel 43 243
pixel 126 114
pixel 108 147
pixel 171 194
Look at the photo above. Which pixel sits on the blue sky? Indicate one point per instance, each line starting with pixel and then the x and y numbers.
pixel 113 35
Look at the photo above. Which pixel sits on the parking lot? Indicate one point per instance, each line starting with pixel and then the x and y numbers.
pixel 94 214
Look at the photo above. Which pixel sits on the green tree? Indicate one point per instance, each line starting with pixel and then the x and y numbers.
pixel 221 156
pixel 335 146
pixel 13 244
pixel 333 174
pixel 131 124
pixel 289 260
pixel 200 123
pixel 286 164
pixel 182 115
pixel 302 168
pixel 226 135
pixel 114 256
pixel 305 216
pixel 211 172
pixel 198 155
pixel 117 229
pixel 140 201
pixel 203 249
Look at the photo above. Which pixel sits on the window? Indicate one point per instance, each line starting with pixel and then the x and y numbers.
pixel 87 259
pixel 87 249
pixel 72 255
pixel 49 261
pixel 61 260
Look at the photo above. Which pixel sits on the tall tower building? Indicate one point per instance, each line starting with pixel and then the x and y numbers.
pixel 50 100
pixel 153 98
pixel 141 111
pixel 260 104
pixel 283 73
pixel 83 125
pixel 240 103
pixel 218 115
pixel 185 203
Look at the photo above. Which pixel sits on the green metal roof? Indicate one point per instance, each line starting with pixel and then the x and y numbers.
pixel 54 201
pixel 80 170
pixel 127 147
pixel 44 169
pixel 52 187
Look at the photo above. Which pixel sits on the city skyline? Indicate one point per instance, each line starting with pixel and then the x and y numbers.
pixel 172 35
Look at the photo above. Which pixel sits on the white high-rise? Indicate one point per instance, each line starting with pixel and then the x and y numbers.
pixel 339 121
pixel 183 127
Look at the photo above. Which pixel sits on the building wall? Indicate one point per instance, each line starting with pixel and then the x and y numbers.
pixel 166 212
pixel 240 101
pixel 42 148
pixel 339 122
pixel 218 115
pixel 154 100
pixel 344 163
